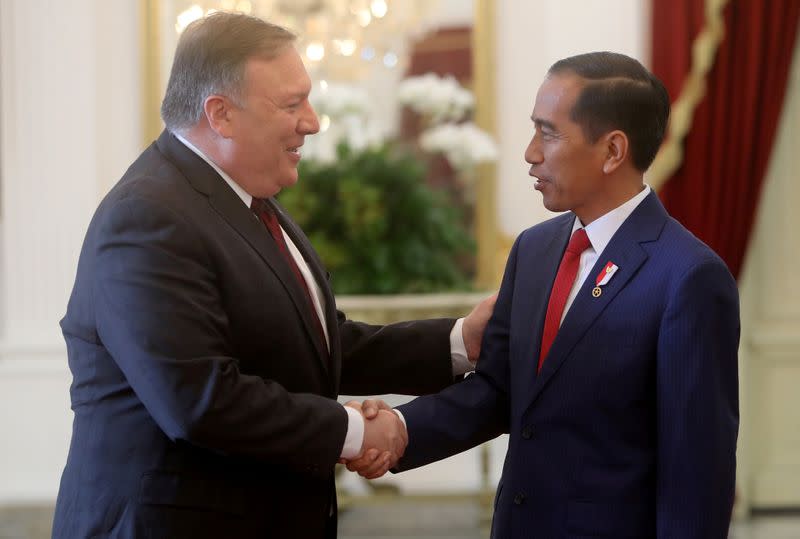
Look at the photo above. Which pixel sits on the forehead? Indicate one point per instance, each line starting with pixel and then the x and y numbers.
pixel 283 74
pixel 556 96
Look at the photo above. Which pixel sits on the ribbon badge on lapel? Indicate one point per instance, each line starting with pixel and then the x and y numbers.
pixel 603 277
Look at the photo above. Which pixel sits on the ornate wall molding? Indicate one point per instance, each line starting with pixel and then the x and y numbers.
pixel 769 435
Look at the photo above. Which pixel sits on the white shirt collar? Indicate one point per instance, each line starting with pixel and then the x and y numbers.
pixel 244 195
pixel 602 229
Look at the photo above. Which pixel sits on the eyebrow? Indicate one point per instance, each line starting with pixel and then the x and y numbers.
pixel 539 123
pixel 297 94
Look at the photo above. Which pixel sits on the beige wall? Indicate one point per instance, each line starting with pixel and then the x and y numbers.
pixel 769 449
pixel 69 114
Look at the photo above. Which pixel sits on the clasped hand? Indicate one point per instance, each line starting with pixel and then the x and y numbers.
pixel 385 439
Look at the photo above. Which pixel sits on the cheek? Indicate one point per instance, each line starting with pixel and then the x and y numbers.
pixel 566 165
pixel 560 169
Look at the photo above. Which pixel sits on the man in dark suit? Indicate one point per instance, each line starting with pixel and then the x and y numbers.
pixel 611 356
pixel 203 338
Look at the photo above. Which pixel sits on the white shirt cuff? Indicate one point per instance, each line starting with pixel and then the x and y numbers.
pixel 458 350
pixel 400 415
pixel 355 434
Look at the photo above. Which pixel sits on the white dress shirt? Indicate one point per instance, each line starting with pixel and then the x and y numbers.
pixel 355 424
pixel 600 232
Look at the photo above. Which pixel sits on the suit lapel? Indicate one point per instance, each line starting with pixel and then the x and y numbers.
pixel 317 271
pixel 231 208
pixel 625 250
pixel 536 294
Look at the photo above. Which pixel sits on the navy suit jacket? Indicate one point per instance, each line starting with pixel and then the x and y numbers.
pixel 203 397
pixel 629 430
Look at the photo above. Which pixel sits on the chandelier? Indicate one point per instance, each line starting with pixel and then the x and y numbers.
pixel 342 40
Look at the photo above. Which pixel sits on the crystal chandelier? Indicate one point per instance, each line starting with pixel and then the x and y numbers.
pixel 339 39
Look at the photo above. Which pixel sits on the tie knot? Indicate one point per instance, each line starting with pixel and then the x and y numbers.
pixel 262 208
pixel 579 242
pixel 257 205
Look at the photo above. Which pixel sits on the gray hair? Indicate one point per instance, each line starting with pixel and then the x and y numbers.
pixel 210 59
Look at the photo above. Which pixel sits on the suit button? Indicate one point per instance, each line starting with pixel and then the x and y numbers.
pixel 527 433
pixel 519 499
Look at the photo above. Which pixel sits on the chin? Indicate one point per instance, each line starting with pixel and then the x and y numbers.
pixel 556 208
pixel 289 182
pixel 284 181
pixel 268 188
pixel 550 204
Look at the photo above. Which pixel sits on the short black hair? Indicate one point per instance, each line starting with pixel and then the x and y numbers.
pixel 620 93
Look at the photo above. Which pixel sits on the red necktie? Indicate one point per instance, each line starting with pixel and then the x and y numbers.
pixel 267 215
pixel 567 271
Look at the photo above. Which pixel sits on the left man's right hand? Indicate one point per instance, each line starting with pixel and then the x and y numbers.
pixel 385 439
pixel 474 326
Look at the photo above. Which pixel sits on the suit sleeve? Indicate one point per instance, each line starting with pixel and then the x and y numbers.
pixel 160 315
pixel 407 358
pixel 475 410
pixel 697 405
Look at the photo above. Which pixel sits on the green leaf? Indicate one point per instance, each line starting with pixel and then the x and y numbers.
pixel 377 225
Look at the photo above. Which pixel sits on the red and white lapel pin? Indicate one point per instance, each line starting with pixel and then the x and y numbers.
pixel 603 277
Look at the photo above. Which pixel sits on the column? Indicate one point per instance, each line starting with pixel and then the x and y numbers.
pixel 69 116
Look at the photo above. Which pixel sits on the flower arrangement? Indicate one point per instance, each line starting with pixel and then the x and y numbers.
pixel 441 99
pixel 340 100
pixel 343 110
pixel 363 198
pixel 463 145
pixel 444 104
pixel 377 225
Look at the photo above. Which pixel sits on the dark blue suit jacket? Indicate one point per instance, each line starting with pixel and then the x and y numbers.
pixel 630 429
pixel 203 399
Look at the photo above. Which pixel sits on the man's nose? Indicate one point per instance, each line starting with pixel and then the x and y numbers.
pixel 309 124
pixel 533 154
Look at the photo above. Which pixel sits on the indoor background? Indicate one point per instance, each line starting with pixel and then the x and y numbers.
pixel 80 85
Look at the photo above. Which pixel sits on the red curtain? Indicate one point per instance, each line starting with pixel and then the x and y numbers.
pixel 716 190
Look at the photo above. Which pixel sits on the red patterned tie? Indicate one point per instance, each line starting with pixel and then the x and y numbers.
pixel 567 271
pixel 267 215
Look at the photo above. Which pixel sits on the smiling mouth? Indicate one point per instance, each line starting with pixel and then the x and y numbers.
pixel 294 151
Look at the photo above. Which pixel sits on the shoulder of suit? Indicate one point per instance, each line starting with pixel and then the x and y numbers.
pixel 152 177
pixel 682 250
pixel 548 227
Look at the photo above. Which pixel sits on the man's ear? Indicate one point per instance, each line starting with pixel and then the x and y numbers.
pixel 218 110
pixel 617 148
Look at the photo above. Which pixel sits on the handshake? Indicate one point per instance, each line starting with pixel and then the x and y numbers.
pixel 385 435
pixel 385 439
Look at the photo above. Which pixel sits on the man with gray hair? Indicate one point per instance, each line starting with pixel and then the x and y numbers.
pixel 204 342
